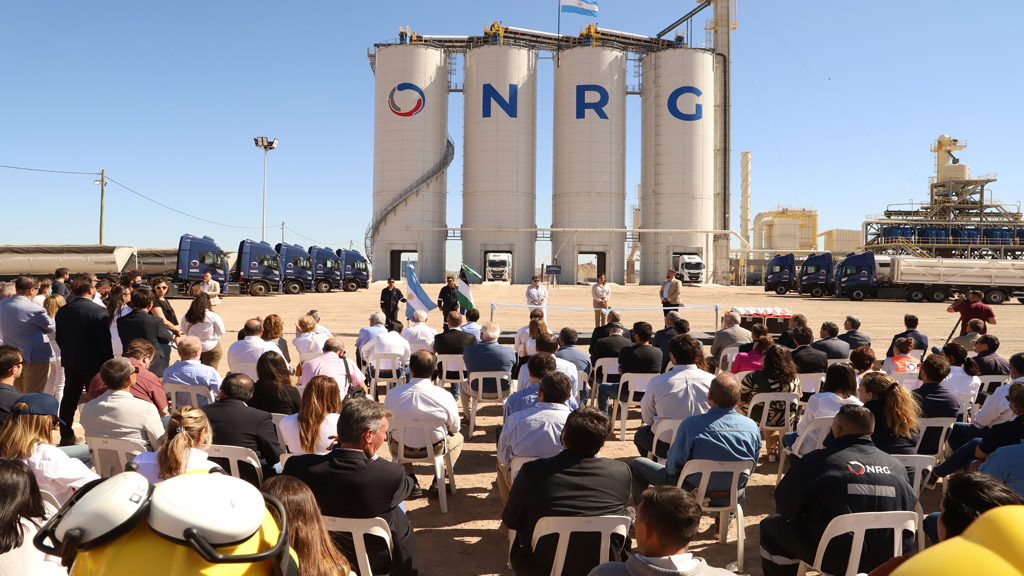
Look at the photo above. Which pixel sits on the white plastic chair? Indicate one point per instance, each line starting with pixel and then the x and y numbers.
pixel 834 361
pixel 766 398
pixel 479 395
pixel 50 499
pixel 111 455
pixel 726 357
pixel 634 383
pixel 925 424
pixel 819 426
pixel 399 428
pixel 247 368
pixel 859 524
pixel 359 528
pixel 810 381
pixel 236 455
pixel 741 375
pixel 921 465
pixel 187 395
pixel 277 417
pixel 450 363
pixel 967 406
pixel 665 431
pixel 564 526
pixel 582 378
pixel 382 361
pixel 706 468
pixel 908 380
pixel 516 466
pixel 603 368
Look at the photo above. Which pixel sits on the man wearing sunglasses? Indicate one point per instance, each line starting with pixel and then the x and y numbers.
pixel 10 368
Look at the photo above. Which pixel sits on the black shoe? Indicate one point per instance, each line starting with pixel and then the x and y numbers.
pixel 432 492
pixel 417 492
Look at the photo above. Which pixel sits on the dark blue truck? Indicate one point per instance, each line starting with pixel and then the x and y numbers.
pixel 817 275
pixel 780 274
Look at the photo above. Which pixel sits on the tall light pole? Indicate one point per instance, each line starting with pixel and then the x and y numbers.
pixel 262 142
pixel 102 182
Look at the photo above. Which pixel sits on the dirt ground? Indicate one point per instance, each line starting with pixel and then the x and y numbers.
pixel 469 540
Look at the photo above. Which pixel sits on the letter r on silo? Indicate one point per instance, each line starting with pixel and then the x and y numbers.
pixel 673 103
pixel 581 100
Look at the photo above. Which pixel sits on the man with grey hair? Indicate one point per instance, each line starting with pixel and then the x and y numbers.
pixel 368 333
pixel 732 334
pixel 830 343
pixel 118 414
pixel 853 336
pixel 487 356
pixel 419 335
pixel 662 338
pixel 243 354
pixel 334 363
pixel 189 370
pixel 320 329
pixel 352 482
pixel 614 319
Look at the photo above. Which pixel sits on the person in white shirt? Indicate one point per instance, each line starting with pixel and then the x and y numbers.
pixel 189 435
pixel 22 512
pixel 390 342
pixel 677 394
pixel 320 328
pixel 313 428
pixel 838 389
pixel 963 371
pixel 245 353
pixel 549 343
pixel 419 335
pixel 203 323
pixel 334 363
pixel 537 295
pixel 523 334
pixel 420 399
pixel 308 342
pixel 118 414
pixel 995 410
pixel 601 293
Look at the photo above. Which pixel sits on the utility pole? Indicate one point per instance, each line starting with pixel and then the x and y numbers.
pixel 103 193
pixel 282 232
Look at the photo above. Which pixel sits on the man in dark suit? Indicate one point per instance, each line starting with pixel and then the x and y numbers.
pixel 236 424
pixel 640 358
pixel 453 341
pixel 139 323
pixel 574 483
pixel 990 363
pixel 921 341
pixel 83 334
pixel 349 483
pixel 609 347
pixel 487 356
pixel 830 344
pixel 795 321
pixel 853 336
pixel 808 360
pixel 662 338
pixel 614 318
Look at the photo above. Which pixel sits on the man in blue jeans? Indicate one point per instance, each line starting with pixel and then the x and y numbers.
pixel 721 434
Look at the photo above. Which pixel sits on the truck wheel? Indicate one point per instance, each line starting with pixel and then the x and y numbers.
pixel 937 294
pixel 858 294
pixel 293 288
pixel 817 292
pixel 323 286
pixel 350 285
pixel 915 294
pixel 259 289
pixel 781 290
pixel 995 297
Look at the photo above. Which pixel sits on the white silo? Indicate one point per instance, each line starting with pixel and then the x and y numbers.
pixel 677 158
pixel 410 142
pixel 499 187
pixel 589 172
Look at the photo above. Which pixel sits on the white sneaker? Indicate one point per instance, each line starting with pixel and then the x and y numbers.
pixel 773 458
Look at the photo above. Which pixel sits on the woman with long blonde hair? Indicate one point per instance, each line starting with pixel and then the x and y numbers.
pixel 188 436
pixel 55 381
pixel 309 431
pixel 896 413
pixel 307 532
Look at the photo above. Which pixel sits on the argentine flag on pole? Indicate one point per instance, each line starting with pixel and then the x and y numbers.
pixel 465 292
pixel 416 299
pixel 584 7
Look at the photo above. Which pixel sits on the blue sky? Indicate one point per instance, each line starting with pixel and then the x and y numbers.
pixel 838 102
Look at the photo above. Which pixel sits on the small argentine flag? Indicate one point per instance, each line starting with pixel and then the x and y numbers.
pixel 585 7
pixel 416 299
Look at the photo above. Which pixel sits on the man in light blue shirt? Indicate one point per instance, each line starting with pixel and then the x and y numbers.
pixel 375 329
pixel 722 434
pixel 535 432
pixel 471 326
pixel 1007 465
pixel 189 370
pixel 540 365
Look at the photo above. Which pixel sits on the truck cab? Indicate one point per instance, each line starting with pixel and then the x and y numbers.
pixel 816 275
pixel 780 274
pixel 326 269
pixel 355 274
pixel 297 268
pixel 499 267
pixel 855 276
pixel 689 267
pixel 258 268
pixel 197 256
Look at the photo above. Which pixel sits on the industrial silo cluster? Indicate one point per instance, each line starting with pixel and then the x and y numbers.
pixel 412 151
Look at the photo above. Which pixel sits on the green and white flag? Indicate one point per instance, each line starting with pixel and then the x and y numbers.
pixel 465 292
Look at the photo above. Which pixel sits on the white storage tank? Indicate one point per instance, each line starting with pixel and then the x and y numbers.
pixel 783 234
pixel 841 242
pixel 410 138
pixel 499 187
pixel 589 172
pixel 677 157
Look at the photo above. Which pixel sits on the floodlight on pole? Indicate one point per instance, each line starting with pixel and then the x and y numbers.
pixel 267 145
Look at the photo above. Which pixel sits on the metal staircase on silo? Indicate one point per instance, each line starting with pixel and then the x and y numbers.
pixel 381 215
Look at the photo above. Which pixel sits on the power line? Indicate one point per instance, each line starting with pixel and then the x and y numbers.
pixel 161 204
pixel 317 242
pixel 50 171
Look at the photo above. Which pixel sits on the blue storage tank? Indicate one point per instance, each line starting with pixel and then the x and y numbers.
pixel 931 235
pixel 1020 235
pixel 1006 235
pixel 890 233
pixel 965 236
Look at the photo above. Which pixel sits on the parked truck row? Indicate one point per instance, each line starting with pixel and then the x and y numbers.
pixel 256 268
pixel 867 275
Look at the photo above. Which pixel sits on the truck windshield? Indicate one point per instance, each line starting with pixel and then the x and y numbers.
pixel 304 263
pixel 775 269
pixel 332 264
pixel 270 262
pixel 497 263
pixel 215 259
pixel 693 266
pixel 851 270
pixel 811 269
pixel 359 265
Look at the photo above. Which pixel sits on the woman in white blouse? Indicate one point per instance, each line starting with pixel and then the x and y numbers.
pixel 22 513
pixel 206 325
pixel 309 431
pixel 838 389
pixel 184 449
pixel 963 371
pixel 307 342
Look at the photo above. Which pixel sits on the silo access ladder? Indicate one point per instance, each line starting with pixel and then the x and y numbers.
pixel 380 216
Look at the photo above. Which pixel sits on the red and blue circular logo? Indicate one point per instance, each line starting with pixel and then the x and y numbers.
pixel 253 265
pixel 290 265
pixel 420 102
pixel 194 263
